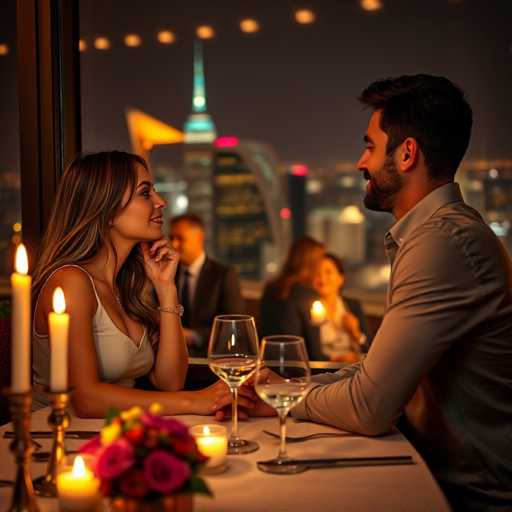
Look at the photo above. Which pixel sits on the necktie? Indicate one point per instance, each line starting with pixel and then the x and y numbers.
pixel 185 301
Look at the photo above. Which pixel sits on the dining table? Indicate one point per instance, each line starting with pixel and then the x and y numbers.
pixel 242 487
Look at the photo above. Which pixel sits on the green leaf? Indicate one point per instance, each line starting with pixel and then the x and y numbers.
pixel 196 485
pixel 112 413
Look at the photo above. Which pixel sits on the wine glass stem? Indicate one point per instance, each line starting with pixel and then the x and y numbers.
pixel 234 416
pixel 282 430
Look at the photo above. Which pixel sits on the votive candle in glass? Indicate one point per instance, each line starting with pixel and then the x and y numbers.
pixel 77 486
pixel 212 441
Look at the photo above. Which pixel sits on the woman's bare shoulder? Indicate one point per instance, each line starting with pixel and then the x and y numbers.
pixel 76 284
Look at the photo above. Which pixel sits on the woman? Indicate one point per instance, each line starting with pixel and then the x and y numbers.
pixel 104 247
pixel 343 333
pixel 286 301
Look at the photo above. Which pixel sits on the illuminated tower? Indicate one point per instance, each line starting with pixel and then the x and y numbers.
pixel 199 132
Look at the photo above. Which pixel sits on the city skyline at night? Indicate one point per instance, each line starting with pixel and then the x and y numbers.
pixel 292 85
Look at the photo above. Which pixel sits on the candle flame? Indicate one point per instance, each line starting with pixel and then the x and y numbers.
pixel 21 264
pixel 317 308
pixel 59 302
pixel 79 470
pixel 206 430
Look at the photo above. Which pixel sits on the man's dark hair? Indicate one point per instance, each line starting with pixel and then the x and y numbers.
pixel 432 110
pixel 191 218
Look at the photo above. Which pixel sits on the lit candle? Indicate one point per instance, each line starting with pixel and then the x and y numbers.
pixel 78 489
pixel 318 313
pixel 58 322
pixel 20 327
pixel 212 441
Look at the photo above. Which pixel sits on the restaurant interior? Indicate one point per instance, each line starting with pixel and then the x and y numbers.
pixel 247 116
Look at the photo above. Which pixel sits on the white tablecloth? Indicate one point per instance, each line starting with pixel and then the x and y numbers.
pixel 243 488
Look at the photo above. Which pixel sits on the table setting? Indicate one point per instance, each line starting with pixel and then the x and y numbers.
pixel 139 460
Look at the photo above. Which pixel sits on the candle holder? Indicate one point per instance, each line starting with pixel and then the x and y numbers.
pixel 23 497
pixel 58 420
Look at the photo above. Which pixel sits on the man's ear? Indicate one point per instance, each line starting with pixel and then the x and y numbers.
pixel 408 154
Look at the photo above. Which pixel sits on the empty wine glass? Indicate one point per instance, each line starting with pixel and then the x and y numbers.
pixel 282 377
pixel 232 356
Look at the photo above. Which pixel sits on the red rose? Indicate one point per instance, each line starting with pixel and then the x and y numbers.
pixel 135 435
pixel 184 445
pixel 133 484
pixel 105 487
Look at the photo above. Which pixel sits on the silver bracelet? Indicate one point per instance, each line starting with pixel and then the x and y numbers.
pixel 175 310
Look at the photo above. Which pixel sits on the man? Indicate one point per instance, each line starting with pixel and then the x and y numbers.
pixel 206 288
pixel 443 354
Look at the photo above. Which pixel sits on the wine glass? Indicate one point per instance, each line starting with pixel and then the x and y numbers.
pixel 282 377
pixel 232 356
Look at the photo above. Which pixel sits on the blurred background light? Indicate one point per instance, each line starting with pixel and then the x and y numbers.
pixel 304 16
pixel 371 5
pixel 165 37
pixel 82 45
pixel 249 26
pixel 205 32
pixel 4 49
pixel 132 40
pixel 102 43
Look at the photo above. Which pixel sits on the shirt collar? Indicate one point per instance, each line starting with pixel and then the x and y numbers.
pixel 422 211
pixel 195 267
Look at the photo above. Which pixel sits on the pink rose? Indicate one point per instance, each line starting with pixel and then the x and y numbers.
pixel 168 425
pixel 164 472
pixel 92 447
pixel 114 459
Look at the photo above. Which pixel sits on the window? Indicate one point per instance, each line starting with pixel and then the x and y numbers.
pixel 260 86
pixel 10 208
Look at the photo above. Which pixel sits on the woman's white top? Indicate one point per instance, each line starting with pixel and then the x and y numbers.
pixel 335 341
pixel 120 361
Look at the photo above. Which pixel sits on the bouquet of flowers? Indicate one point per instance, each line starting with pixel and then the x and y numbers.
pixel 140 455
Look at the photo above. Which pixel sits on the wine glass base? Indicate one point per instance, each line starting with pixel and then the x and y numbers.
pixel 242 446
pixel 276 468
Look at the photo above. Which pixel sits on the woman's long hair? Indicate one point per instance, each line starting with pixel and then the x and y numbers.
pixel 299 267
pixel 90 195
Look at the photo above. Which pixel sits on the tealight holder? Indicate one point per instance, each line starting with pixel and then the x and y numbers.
pixel 58 420
pixel 212 441
pixel 78 487
pixel 23 497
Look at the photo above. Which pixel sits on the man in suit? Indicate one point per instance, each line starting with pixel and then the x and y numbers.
pixel 206 288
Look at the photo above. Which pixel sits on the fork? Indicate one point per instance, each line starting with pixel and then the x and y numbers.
pixel 308 437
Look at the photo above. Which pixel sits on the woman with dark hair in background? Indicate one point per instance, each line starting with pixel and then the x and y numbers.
pixel 343 333
pixel 286 302
pixel 104 247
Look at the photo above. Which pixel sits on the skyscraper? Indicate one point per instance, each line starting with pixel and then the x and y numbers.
pixel 251 231
pixel 199 133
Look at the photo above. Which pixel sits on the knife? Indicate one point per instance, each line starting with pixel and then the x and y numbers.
pixel 342 461
pixel 45 434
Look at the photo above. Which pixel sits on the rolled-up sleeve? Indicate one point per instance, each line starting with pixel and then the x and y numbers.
pixel 433 301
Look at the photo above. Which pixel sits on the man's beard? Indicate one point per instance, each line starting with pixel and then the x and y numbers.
pixel 379 197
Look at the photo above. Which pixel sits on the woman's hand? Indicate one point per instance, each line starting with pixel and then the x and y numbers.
pixel 215 398
pixel 160 263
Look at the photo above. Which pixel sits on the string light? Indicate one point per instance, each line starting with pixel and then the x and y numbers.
pixel 132 40
pixel 371 5
pixel 249 26
pixel 205 32
pixel 304 16
pixel 165 37
pixel 101 43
